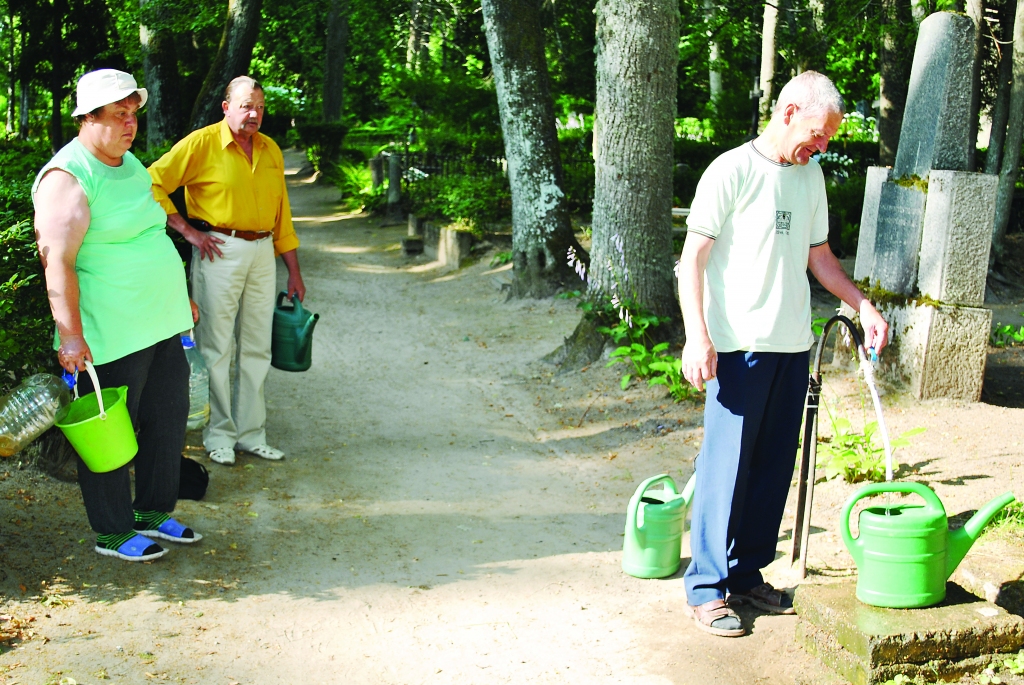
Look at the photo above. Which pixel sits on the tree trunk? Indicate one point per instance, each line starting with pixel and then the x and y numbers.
pixel 637 55
pixel 541 232
pixel 416 49
pixel 1001 106
pixel 714 66
pixel 241 29
pixel 771 21
pixel 335 52
pixel 56 58
pixel 25 104
pixel 976 11
pixel 895 58
pixel 1014 136
pixel 160 71
pixel 11 78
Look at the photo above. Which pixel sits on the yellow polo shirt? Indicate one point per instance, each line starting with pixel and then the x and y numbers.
pixel 223 188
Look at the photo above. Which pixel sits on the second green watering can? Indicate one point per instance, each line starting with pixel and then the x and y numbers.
pixel 654 528
pixel 291 346
pixel 905 552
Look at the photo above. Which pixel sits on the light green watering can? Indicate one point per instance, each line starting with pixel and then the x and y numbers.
pixel 654 528
pixel 905 552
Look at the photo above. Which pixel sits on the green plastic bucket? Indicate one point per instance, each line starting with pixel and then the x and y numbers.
pixel 99 427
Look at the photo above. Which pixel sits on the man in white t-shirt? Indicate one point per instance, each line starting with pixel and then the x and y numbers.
pixel 758 222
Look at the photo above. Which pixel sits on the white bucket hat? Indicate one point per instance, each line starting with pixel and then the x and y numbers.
pixel 101 87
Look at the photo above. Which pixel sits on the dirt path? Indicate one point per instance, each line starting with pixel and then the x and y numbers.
pixel 450 511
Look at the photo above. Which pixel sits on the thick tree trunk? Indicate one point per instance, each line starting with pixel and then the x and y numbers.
pixel 1001 106
pixel 1014 136
pixel 895 58
pixel 541 232
pixel 714 55
pixel 160 70
pixel 771 21
pixel 976 11
pixel 241 29
pixel 335 53
pixel 637 54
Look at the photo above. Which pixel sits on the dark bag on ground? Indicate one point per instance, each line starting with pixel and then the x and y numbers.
pixel 194 479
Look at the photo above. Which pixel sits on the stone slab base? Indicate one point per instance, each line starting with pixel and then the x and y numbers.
pixel 868 645
pixel 445 245
pixel 934 351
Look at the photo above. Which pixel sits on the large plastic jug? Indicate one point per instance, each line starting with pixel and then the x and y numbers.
pixel 292 342
pixel 198 385
pixel 28 410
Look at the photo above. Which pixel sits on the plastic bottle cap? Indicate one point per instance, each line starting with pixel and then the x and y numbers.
pixel 187 342
pixel 69 379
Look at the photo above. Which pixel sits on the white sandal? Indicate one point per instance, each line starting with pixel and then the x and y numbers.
pixel 265 451
pixel 222 455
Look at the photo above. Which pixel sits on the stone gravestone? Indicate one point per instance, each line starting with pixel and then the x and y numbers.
pixel 926 225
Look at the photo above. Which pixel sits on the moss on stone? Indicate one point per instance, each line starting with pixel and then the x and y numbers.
pixel 913 181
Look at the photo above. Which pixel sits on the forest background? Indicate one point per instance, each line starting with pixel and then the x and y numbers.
pixel 352 80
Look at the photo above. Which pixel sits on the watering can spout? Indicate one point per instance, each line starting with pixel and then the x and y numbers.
pixel 307 329
pixel 687 492
pixel 960 541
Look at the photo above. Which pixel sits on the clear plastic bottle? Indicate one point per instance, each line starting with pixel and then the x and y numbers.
pixel 28 410
pixel 198 386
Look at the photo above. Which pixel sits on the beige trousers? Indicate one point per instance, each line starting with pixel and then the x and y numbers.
pixel 235 295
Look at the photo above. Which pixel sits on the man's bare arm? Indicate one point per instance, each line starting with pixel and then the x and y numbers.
pixel 700 360
pixel 829 272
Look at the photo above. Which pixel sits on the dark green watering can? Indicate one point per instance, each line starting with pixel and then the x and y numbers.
pixel 905 552
pixel 654 528
pixel 292 342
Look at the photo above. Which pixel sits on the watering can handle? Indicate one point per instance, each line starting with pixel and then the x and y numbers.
pixel 634 502
pixel 296 302
pixel 923 491
pixel 96 386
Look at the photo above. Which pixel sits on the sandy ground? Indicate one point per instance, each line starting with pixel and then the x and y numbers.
pixel 451 509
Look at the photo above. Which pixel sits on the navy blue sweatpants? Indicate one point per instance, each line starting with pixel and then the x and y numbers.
pixel 751 431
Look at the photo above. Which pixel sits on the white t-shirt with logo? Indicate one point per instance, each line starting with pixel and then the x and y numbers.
pixel 764 217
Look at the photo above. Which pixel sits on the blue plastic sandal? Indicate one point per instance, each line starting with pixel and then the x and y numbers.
pixel 173 531
pixel 136 548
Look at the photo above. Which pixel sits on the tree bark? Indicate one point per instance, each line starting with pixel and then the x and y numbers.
pixel 637 56
pixel 1014 136
pixel 770 23
pixel 56 58
pixel 714 66
pixel 11 77
pixel 335 53
pixel 541 231
pixel 416 47
pixel 160 71
pixel 1001 106
pixel 895 58
pixel 241 29
pixel 976 11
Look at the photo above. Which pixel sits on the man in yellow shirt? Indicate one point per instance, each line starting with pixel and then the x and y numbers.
pixel 235 192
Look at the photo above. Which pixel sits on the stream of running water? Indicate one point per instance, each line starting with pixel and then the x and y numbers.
pixel 868 369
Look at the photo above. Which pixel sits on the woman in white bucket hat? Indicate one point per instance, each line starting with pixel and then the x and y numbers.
pixel 118 295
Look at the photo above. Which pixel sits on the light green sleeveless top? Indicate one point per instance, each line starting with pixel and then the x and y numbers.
pixel 132 282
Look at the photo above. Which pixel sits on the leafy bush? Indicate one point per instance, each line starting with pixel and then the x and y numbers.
pixel 322 142
pixel 26 328
pixel 845 201
pixel 855 456
pixel 473 201
pixel 1005 334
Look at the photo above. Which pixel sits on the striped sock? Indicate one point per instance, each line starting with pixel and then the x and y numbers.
pixel 113 540
pixel 149 520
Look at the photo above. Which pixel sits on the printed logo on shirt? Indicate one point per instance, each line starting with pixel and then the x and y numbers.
pixel 782 221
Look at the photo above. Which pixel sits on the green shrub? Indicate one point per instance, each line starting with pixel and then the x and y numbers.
pixel 322 142
pixel 845 200
pixel 473 201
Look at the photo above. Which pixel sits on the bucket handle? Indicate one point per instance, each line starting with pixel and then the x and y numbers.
pixel 96 386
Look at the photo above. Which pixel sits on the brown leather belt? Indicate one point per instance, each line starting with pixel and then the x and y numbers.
pixel 244 235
